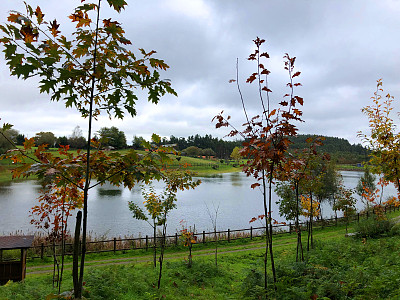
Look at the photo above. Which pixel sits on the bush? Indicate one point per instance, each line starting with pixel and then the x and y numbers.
pixel 373 228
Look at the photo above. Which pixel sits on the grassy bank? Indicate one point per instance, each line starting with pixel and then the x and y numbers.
pixel 338 268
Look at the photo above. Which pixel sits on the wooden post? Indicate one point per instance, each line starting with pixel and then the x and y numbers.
pixel 336 220
pixel 229 235
pixel 251 232
pixel 204 237
pixel 147 242
pixel 41 251
pixel 290 227
pixel 176 239
pixel 115 245
pixel 23 263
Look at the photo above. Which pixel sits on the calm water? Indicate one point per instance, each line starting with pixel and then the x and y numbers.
pixel 109 214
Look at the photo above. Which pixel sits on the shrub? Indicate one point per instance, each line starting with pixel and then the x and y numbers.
pixel 373 228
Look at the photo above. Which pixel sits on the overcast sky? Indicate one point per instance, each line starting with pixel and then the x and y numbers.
pixel 342 48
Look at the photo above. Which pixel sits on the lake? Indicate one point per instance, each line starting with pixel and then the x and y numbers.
pixel 109 214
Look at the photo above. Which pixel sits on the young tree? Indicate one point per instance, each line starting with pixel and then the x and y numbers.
pixel 267 136
pixel 93 72
pixel 366 181
pixel 384 139
pixel 55 207
pixel 345 202
pixel 188 238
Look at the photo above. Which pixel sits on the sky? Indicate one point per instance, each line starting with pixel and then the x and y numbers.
pixel 342 47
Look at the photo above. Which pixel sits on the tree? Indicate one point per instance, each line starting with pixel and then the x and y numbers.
pixel 62 140
pixel 45 138
pixel 8 135
pixel 346 203
pixel 158 206
pixel 366 181
pixel 20 139
pixel 55 207
pixel 236 154
pixel 93 72
pixel 192 151
pixel 112 137
pixel 76 140
pixel 137 142
pixel 267 136
pixel 208 152
pixel 383 140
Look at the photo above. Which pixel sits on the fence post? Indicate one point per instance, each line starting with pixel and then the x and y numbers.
pixel 229 235
pixel 204 237
pixel 290 227
pixel 251 232
pixel 336 220
pixel 176 239
pixel 41 251
pixel 147 242
pixel 115 245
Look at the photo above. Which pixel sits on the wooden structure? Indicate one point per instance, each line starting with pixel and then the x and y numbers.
pixel 14 270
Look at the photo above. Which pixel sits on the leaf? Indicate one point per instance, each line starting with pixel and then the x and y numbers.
pixel 299 100
pixel 29 34
pixel 29 143
pixel 7 126
pixel 117 5
pixel 14 18
pixel 54 28
pixel 296 74
pixel 39 15
pixel 254 185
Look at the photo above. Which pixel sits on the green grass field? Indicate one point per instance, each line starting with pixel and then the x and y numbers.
pixel 338 268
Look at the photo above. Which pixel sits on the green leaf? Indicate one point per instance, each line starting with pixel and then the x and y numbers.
pixel 7 126
pixel 117 4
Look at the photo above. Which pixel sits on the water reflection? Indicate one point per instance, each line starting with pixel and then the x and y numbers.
pixel 236 179
pixel 107 192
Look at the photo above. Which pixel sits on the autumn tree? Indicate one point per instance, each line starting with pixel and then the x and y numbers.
pixel 56 204
pixel 93 72
pixel 366 181
pixel 236 154
pixel 267 135
pixel 383 139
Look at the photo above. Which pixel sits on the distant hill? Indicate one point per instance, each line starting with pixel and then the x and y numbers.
pixel 340 149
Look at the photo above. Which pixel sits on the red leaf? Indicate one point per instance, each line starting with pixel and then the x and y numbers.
pixel 296 74
pixel 254 185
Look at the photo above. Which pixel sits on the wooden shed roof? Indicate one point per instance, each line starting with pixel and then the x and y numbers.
pixel 16 241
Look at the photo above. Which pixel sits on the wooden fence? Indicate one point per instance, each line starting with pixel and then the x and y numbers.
pixel 147 242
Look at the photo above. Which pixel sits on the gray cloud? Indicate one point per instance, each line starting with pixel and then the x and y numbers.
pixel 342 48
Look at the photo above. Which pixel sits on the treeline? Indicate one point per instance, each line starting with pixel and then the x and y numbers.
pixel 340 149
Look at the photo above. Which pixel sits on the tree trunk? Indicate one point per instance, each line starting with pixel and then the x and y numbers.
pixel 75 258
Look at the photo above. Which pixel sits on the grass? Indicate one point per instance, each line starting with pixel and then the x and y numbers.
pixel 338 268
